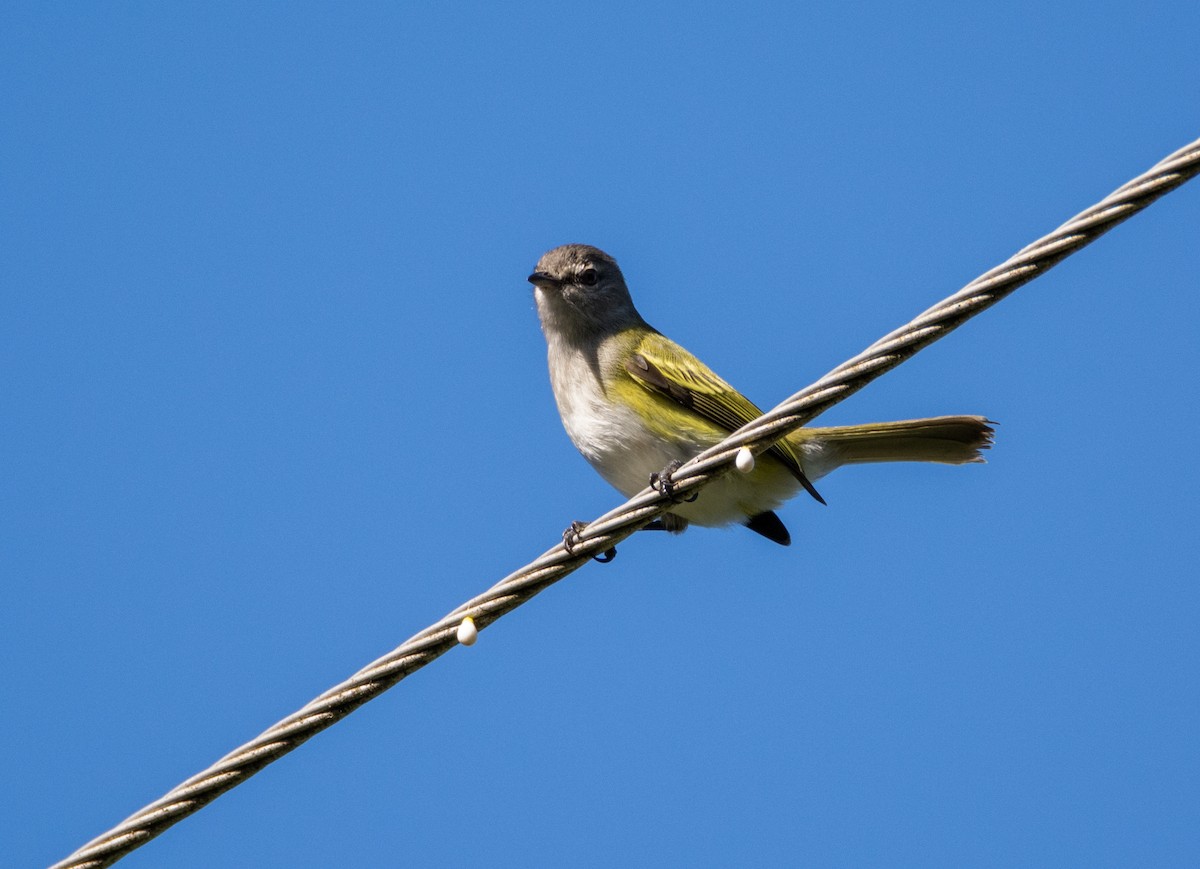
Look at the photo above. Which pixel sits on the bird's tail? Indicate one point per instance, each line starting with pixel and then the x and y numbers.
pixel 953 440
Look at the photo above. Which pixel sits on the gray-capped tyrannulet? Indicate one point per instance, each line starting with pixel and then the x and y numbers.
pixel 635 403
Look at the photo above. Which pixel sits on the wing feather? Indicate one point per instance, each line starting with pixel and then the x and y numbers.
pixel 664 367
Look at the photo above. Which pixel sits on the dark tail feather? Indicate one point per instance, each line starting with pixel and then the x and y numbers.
pixel 769 526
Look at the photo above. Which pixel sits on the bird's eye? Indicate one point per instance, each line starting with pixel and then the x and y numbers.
pixel 588 277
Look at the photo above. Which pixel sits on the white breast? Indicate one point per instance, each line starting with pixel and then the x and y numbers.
pixel 609 435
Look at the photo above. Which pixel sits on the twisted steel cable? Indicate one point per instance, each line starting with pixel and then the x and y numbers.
pixel 613 527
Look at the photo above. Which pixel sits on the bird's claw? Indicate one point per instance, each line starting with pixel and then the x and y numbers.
pixel 571 540
pixel 662 482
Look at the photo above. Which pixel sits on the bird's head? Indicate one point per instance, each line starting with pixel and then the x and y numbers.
pixel 580 291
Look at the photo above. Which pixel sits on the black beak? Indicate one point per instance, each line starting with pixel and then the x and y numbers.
pixel 543 279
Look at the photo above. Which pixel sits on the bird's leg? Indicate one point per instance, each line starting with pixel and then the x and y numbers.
pixel 662 482
pixel 667 522
pixel 571 540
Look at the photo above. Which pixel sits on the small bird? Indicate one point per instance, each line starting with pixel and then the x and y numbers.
pixel 637 405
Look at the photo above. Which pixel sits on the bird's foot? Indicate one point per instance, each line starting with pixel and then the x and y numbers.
pixel 662 482
pixel 571 540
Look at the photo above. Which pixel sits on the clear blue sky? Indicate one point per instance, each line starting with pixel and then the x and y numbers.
pixel 274 398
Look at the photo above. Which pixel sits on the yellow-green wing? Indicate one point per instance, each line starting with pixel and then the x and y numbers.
pixel 662 366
